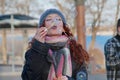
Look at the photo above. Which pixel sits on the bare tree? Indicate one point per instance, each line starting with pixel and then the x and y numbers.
pixel 68 9
pixel 21 7
pixel 97 13
pixel 116 15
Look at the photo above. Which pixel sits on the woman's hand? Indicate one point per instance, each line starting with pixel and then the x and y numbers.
pixel 61 78
pixel 40 34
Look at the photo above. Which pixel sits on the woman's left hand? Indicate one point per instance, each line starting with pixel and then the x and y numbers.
pixel 62 78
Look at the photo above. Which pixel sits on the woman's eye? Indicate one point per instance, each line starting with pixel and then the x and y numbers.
pixel 48 19
pixel 59 19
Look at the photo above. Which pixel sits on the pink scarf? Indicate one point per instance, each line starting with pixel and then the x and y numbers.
pixel 61 59
pixel 64 66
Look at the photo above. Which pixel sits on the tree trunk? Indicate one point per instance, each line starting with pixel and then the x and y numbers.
pixel 93 39
pixel 4 49
pixel 25 41
pixel 80 22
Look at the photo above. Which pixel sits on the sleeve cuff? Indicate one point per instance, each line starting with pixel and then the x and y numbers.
pixel 40 47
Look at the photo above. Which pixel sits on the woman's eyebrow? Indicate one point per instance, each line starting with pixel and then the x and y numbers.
pixel 55 16
pixel 58 16
pixel 48 16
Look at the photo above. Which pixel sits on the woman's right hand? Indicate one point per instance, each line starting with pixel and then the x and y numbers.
pixel 40 34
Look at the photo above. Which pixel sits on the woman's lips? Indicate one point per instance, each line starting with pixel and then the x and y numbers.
pixel 54 27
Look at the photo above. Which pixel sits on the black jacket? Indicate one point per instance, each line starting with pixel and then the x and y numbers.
pixel 37 65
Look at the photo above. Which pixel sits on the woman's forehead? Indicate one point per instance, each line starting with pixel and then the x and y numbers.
pixel 53 15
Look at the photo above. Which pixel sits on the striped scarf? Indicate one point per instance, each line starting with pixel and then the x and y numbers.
pixel 61 61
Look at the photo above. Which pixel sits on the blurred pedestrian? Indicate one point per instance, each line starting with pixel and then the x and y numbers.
pixel 112 55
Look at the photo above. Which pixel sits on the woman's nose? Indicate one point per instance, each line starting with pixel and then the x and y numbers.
pixel 55 21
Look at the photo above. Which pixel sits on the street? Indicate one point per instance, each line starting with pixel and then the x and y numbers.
pixel 6 73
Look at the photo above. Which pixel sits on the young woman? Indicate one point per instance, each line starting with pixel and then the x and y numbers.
pixel 53 53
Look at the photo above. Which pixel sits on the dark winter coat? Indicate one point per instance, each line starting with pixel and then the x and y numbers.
pixel 37 65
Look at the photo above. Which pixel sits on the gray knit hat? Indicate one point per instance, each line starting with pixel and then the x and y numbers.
pixel 51 11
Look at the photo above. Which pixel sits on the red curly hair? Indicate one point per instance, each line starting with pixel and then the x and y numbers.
pixel 77 52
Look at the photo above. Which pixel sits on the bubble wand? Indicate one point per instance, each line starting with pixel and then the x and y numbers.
pixel 54 22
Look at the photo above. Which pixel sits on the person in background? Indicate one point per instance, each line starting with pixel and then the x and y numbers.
pixel 112 56
pixel 53 53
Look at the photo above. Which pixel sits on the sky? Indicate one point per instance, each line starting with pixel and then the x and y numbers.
pixel 108 15
pixel 38 6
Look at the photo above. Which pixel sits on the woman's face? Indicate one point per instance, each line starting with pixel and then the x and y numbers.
pixel 54 24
